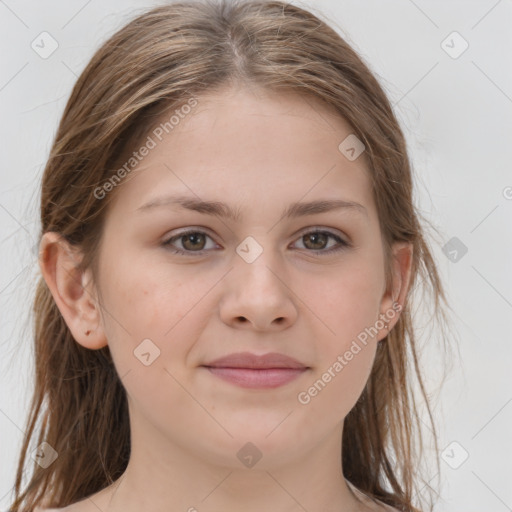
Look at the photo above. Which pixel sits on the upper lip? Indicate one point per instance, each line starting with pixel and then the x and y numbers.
pixel 249 360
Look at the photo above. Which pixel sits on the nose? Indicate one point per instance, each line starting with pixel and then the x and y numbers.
pixel 258 296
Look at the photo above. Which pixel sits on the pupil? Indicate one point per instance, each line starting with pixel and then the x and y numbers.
pixel 192 238
pixel 315 236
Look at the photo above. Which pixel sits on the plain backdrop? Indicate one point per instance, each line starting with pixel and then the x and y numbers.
pixel 446 68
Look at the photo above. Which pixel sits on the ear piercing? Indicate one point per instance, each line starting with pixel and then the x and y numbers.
pixel 87 333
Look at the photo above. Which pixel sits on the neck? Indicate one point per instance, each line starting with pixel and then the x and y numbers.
pixel 160 476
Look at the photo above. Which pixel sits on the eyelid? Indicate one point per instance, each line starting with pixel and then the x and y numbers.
pixel 323 229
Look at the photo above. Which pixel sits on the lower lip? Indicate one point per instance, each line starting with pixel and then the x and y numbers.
pixel 263 378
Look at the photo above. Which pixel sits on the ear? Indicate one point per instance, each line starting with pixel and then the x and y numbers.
pixel 73 290
pixel 394 297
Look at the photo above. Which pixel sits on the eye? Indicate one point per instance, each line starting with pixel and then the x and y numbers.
pixel 193 241
pixel 315 241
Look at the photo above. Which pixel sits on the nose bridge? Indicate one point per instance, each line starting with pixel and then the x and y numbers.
pixel 257 259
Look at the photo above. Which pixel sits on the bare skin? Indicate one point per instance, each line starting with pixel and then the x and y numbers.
pixel 100 501
pixel 258 153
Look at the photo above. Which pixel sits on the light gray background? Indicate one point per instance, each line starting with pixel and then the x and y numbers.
pixel 457 116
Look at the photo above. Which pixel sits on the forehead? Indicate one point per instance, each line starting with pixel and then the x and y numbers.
pixel 251 147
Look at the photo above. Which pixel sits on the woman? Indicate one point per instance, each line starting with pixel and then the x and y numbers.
pixel 228 247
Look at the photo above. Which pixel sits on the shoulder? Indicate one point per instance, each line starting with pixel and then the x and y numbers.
pixel 380 507
pixel 376 506
pixel 75 507
pixel 371 505
pixel 386 508
pixel 94 503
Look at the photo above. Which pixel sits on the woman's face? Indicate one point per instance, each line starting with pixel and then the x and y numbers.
pixel 262 282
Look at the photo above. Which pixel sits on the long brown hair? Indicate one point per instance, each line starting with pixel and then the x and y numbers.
pixel 154 64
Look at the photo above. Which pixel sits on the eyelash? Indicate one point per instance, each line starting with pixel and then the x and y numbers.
pixel 342 243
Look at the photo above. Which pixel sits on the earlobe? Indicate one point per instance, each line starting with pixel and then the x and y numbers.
pixel 393 300
pixel 75 298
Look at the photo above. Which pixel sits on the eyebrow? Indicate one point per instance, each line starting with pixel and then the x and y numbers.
pixel 223 210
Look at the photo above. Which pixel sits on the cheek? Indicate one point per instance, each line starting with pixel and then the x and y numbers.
pixel 144 303
pixel 348 307
pixel 334 389
pixel 347 301
pixel 345 344
pixel 149 333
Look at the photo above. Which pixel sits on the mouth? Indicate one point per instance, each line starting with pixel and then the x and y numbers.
pixel 249 370
pixel 263 378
